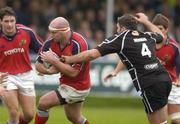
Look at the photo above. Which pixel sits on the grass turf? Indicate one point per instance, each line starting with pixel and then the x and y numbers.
pixel 100 110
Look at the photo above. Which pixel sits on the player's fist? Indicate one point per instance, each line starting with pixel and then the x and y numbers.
pixel 65 59
pixel 141 17
pixel 49 57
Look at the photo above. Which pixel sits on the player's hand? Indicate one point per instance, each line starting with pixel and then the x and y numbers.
pixel 112 74
pixel 177 83
pixel 162 62
pixel 49 56
pixel 141 17
pixel 52 70
pixel 3 77
pixel 66 59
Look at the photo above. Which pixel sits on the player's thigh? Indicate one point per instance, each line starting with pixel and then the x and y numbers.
pixel 48 100
pixel 174 113
pixel 73 110
pixel 28 104
pixel 10 98
pixel 174 100
pixel 172 108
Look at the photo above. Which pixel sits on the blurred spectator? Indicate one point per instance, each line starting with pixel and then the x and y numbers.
pixel 38 13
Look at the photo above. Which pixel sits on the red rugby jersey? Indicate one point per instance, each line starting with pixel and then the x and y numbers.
pixel 14 50
pixel 76 45
pixel 167 54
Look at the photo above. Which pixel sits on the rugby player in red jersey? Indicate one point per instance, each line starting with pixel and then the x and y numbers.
pixel 169 54
pixel 15 42
pixel 75 79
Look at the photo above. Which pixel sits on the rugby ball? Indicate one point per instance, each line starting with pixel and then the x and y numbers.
pixel 47 65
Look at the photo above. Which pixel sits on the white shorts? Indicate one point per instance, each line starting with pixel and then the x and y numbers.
pixel 72 95
pixel 23 82
pixel 174 96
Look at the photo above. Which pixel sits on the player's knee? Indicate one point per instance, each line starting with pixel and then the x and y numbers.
pixel 29 116
pixel 42 105
pixel 28 113
pixel 13 111
pixel 175 118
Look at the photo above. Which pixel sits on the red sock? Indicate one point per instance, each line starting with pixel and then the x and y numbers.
pixel 40 120
pixel 22 121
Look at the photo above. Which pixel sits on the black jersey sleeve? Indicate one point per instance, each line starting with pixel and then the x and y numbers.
pixel 112 44
pixel 155 36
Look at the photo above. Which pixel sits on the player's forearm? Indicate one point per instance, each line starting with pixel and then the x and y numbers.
pixel 41 69
pixel 153 28
pixel 65 69
pixel 82 57
pixel 120 66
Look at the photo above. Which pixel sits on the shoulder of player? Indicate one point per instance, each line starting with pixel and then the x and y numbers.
pixel 48 40
pixel 23 27
pixel 173 42
pixel 117 36
pixel 78 39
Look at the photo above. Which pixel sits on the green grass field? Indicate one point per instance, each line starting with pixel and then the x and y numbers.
pixel 100 110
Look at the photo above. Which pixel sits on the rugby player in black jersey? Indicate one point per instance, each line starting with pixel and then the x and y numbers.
pixel 137 51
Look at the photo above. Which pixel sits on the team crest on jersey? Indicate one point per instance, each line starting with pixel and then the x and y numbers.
pixel 22 42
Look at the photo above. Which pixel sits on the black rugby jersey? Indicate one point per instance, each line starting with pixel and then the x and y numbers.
pixel 137 51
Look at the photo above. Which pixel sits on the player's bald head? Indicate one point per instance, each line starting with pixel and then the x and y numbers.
pixel 59 23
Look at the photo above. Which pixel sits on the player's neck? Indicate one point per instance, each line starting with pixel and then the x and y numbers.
pixel 9 34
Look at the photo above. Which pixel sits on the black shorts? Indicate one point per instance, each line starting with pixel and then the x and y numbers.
pixel 156 96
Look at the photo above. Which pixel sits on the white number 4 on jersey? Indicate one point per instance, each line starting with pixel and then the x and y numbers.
pixel 145 50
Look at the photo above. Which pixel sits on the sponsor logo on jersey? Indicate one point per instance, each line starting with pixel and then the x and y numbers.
pixel 22 42
pixel 151 66
pixel 140 39
pixel 14 51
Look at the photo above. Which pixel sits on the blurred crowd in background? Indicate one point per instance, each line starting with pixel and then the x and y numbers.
pixel 88 17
